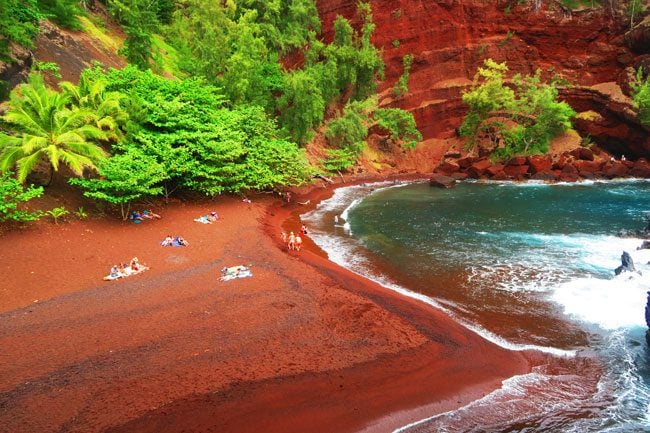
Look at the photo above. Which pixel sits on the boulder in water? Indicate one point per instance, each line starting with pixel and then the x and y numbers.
pixel 627 264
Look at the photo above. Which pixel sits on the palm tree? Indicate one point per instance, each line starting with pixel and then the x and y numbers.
pixel 92 96
pixel 45 129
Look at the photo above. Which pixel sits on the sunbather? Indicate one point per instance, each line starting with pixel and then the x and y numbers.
pixel 134 265
pixel 149 214
pixel 181 241
pixel 168 241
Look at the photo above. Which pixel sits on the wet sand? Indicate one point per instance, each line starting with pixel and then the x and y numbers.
pixel 303 345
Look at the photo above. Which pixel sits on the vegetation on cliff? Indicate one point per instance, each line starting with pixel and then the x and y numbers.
pixel 522 115
pixel 641 95
pixel 233 116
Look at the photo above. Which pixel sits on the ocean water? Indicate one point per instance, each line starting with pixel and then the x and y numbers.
pixel 528 266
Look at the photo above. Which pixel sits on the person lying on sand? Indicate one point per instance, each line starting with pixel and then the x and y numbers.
pixel 168 241
pixel 181 241
pixel 149 214
pixel 207 219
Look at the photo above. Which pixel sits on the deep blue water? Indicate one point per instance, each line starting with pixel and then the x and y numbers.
pixel 528 266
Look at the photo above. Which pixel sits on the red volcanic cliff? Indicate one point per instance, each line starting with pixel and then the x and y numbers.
pixel 449 39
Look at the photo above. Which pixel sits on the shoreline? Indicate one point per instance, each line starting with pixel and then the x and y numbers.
pixel 304 345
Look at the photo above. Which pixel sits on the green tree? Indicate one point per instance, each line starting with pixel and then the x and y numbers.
pixel 106 107
pixel 12 194
pixel 139 20
pixel 302 105
pixel 62 12
pixel 531 104
pixel 46 130
pixel 202 144
pixel 124 178
pixel 400 124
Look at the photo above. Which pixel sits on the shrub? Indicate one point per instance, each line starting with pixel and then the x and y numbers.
pixel 12 194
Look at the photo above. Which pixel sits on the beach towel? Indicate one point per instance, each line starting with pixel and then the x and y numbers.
pixel 234 272
pixel 129 272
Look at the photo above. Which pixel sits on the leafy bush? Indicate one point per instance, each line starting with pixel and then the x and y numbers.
pixel 641 96
pixel 400 124
pixel 12 194
pixel 338 160
pixel 402 85
pixel 202 145
pixel 62 12
pixel 530 104
pixel 123 179
pixel 18 23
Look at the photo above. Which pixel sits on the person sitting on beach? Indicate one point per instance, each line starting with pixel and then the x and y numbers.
pixel 124 270
pixel 303 229
pixel 115 272
pixel 181 241
pixel 168 241
pixel 134 265
pixel 136 217
pixel 292 241
pixel 213 217
pixel 149 214
pixel 298 243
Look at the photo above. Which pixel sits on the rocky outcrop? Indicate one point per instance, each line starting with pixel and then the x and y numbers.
pixel 569 166
pixel 609 118
pixel 627 264
pixel 15 72
pixel 72 51
pixel 442 181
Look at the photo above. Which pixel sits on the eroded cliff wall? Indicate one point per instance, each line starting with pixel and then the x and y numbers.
pixel 449 39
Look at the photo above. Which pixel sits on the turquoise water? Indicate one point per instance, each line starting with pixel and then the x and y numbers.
pixel 528 266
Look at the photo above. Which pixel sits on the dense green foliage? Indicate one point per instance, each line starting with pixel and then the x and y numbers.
pixel 200 143
pixel 18 23
pixel 46 127
pixel 62 12
pixel 641 95
pixel 347 133
pixel 123 179
pixel 261 83
pixel 400 124
pixel 529 105
pixel 12 194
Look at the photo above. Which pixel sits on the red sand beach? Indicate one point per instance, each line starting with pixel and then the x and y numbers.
pixel 303 345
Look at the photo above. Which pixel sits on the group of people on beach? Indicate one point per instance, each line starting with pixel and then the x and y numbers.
pixel 294 240
pixel 138 217
pixel 122 270
pixel 178 241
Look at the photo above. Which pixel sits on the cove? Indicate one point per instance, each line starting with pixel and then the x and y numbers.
pixel 527 265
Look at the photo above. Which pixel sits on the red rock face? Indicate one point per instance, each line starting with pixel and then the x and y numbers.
pixel 449 39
